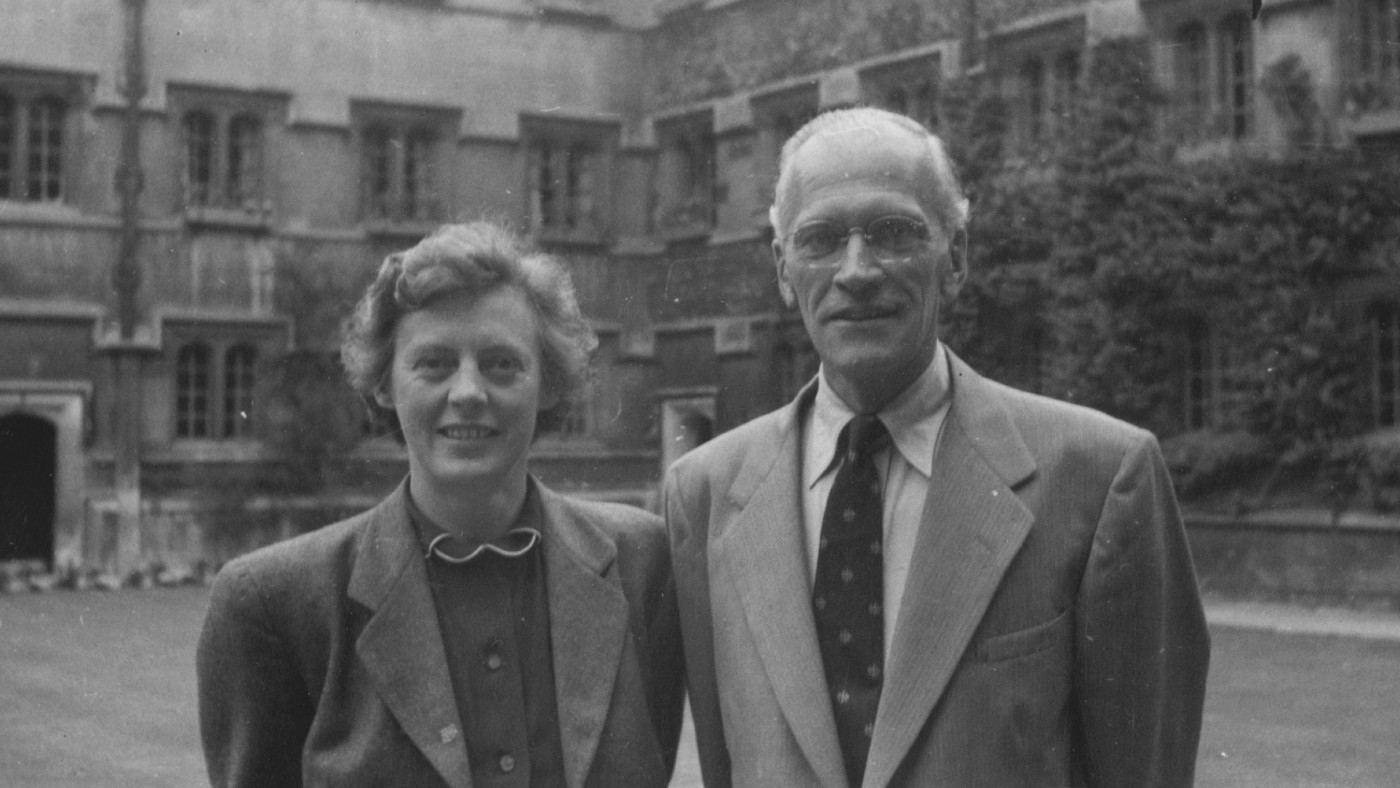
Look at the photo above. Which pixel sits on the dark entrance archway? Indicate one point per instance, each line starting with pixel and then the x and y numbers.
pixel 28 462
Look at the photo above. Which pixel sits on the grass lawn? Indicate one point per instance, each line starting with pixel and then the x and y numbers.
pixel 98 689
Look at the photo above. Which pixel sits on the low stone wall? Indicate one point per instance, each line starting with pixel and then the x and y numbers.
pixel 1306 557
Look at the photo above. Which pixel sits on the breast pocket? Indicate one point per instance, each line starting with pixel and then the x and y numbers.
pixel 1021 643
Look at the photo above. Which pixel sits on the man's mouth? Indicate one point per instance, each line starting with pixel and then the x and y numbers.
pixel 466 432
pixel 854 314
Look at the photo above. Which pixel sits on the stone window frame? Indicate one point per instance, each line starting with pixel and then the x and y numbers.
pixel 1030 60
pixel 22 95
pixel 1213 388
pixel 776 115
pixel 229 179
pixel 1374 63
pixel 687 174
pixel 404 162
pixel 215 402
pixel 1212 73
pixel 567 171
pixel 1047 89
pixel 911 87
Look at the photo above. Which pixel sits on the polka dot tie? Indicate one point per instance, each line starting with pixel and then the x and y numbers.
pixel 848 591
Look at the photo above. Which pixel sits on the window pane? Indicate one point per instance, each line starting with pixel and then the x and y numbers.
pixel 1191 74
pixel 1236 67
pixel 1065 86
pixel 1385 326
pixel 192 392
pixel 1377 54
pixel 896 100
pixel 244 176
pixel 239 362
pixel 45 171
pixel 378 174
pixel 579 189
pixel 199 158
pixel 926 111
pixel 1197 376
pixel 9 146
pixel 1033 93
pixel 542 199
pixel 417 168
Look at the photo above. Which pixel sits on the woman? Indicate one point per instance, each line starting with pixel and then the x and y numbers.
pixel 474 627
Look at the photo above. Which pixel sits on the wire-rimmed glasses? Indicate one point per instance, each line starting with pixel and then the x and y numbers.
pixel 888 239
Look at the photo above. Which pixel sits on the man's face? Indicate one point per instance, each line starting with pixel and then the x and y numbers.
pixel 873 321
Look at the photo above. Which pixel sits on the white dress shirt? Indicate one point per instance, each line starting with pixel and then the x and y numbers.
pixel 915 421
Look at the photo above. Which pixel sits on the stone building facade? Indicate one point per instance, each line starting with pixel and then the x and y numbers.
pixel 287 146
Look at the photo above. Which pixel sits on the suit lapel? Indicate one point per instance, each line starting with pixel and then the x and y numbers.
pixel 762 551
pixel 401 645
pixel 973 526
pixel 588 627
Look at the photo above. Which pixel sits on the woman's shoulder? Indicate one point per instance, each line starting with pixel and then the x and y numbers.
pixel 300 553
pixel 295 571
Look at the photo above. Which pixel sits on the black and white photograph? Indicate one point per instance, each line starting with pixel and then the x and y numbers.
pixel 700 393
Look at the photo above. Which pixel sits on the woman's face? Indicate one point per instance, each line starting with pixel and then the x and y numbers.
pixel 465 383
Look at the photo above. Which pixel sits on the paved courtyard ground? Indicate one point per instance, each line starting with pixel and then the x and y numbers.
pixel 97 689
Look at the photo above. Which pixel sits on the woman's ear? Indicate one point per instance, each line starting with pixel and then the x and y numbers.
pixel 548 399
pixel 384 398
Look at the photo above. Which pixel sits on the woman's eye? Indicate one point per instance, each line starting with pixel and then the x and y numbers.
pixel 433 365
pixel 504 364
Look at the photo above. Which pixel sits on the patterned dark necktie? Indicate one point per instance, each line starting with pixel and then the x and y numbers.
pixel 848 591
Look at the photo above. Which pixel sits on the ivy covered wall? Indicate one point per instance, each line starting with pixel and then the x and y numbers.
pixel 705 54
pixel 1089 269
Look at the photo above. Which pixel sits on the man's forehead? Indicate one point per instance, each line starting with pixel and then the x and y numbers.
pixel 880 157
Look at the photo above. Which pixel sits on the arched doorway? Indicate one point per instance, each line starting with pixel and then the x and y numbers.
pixel 28 462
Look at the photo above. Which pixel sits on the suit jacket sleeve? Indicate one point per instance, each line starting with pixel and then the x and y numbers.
pixel 254 710
pixel 689 557
pixel 1143 647
pixel 668 672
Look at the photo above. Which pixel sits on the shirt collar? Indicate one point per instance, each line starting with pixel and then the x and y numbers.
pixel 519 540
pixel 913 419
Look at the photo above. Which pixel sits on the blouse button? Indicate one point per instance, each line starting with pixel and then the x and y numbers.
pixel 493 656
pixel 506 762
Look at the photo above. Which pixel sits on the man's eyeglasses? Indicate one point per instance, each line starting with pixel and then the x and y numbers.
pixel 889 239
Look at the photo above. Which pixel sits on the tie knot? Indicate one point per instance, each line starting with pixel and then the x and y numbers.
pixel 867 435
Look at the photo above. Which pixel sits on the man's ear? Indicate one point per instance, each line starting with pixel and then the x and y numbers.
pixel 784 285
pixel 952 280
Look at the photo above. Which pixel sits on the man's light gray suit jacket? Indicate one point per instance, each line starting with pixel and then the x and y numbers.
pixel 1051 632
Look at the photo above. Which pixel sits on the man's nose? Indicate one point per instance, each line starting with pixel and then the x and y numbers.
pixel 858 267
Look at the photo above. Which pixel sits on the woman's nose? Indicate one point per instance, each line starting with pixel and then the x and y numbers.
pixel 467 386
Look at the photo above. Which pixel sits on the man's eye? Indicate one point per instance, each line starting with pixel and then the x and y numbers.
pixel 817 240
pixel 896 233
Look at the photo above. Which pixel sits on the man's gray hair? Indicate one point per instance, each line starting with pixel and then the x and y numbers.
pixel 949 204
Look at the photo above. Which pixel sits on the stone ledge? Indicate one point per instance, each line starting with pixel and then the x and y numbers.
pixel 1297 520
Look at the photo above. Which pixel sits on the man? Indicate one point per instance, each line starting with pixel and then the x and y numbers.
pixel 977 586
